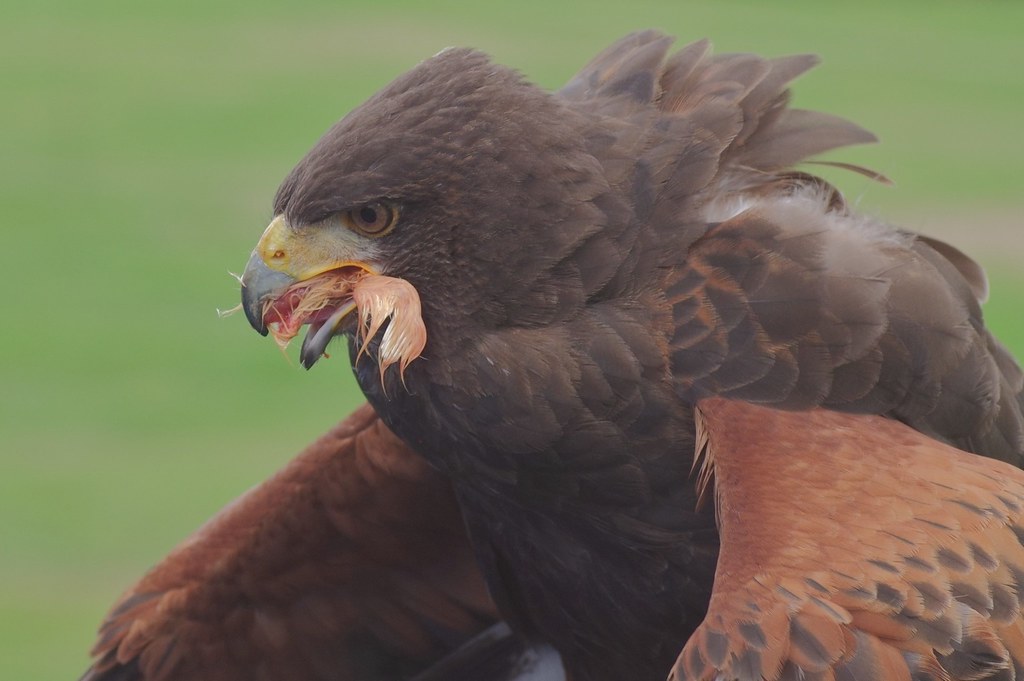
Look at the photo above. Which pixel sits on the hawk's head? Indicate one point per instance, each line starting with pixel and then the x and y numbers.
pixel 459 185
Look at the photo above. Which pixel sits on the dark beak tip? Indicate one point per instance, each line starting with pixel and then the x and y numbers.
pixel 259 282
pixel 307 356
pixel 254 313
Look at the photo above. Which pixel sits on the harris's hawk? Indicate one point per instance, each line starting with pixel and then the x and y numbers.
pixel 558 298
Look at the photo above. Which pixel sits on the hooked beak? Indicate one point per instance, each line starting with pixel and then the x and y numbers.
pixel 285 255
pixel 259 284
pixel 318 276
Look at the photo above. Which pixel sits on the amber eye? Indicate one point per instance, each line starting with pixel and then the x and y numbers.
pixel 371 219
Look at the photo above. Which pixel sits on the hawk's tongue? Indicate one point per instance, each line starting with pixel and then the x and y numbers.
pixel 281 316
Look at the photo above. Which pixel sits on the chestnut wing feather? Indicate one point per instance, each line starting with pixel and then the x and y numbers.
pixel 351 563
pixel 854 547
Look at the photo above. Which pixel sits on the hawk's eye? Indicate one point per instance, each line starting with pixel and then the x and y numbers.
pixel 371 219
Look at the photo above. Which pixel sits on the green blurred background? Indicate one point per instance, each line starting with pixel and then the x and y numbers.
pixel 140 146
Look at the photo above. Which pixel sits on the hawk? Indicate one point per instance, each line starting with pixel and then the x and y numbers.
pixel 560 299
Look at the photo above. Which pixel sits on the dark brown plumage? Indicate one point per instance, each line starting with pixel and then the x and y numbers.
pixel 592 265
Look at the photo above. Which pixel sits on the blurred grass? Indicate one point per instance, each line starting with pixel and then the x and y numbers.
pixel 141 145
